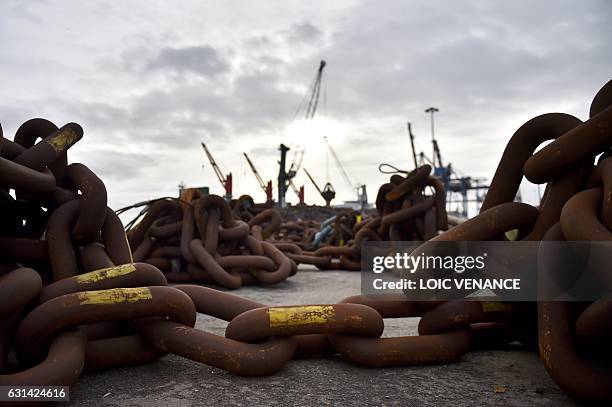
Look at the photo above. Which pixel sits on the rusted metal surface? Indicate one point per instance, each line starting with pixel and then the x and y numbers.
pixel 404 186
pixel 86 307
pixel 209 242
pixel 573 338
pixel 567 367
pixel 594 327
pixel 119 351
pixel 579 217
pixel 94 257
pixel 401 351
pixel 235 356
pixel 520 148
pixel 240 358
pixel 122 276
pixel 72 297
pixel 267 322
pixel 584 141
pixel 460 314
pixel 93 204
pixel 18 288
pixel 55 230
pixel 61 367
pixel 492 223
pixel 405 212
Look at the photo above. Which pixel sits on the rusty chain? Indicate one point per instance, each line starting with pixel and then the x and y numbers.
pixel 405 212
pixel 576 205
pixel 73 299
pixel 201 239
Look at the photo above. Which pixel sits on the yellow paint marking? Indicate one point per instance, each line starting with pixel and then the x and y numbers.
pixel 305 315
pixel 114 296
pixel 458 318
pixel 63 140
pixel 493 306
pixel 103 274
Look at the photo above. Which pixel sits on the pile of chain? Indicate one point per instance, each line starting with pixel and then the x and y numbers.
pixel 126 314
pixel 301 232
pixel 72 299
pixel 246 208
pixel 54 228
pixel 123 313
pixel 573 337
pixel 201 239
pixel 406 212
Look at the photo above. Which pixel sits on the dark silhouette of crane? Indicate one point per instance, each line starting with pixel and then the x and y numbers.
pixel 266 187
pixel 226 181
pixel 434 142
pixel 298 191
pixel 284 176
pixel 316 91
pixel 328 193
pixel 460 190
pixel 416 164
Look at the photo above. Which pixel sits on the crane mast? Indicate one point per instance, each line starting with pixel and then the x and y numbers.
pixel 226 181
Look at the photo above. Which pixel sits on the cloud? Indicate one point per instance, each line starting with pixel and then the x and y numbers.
pixel 117 165
pixel 149 83
pixel 304 32
pixel 201 60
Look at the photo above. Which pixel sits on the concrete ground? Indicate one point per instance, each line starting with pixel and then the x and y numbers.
pixel 517 375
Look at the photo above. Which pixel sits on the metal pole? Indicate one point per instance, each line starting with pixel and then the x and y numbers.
pixel 412 145
pixel 431 111
pixel 282 176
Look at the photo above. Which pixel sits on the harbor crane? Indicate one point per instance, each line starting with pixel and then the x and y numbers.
pixel 284 176
pixel 226 181
pixel 360 190
pixel 316 91
pixel 328 193
pixel 460 190
pixel 414 157
pixel 298 191
pixel 266 187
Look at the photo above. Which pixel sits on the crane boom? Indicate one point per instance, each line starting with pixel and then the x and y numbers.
pixel 345 175
pixel 262 184
pixel 226 181
pixel 438 156
pixel 412 144
pixel 213 163
pixel 294 188
pixel 316 91
pixel 360 190
pixel 328 193
pixel 313 181
pixel 266 187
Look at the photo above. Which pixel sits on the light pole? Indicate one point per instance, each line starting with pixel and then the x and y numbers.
pixel 431 111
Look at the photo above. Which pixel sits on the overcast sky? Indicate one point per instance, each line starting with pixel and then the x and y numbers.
pixel 150 80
